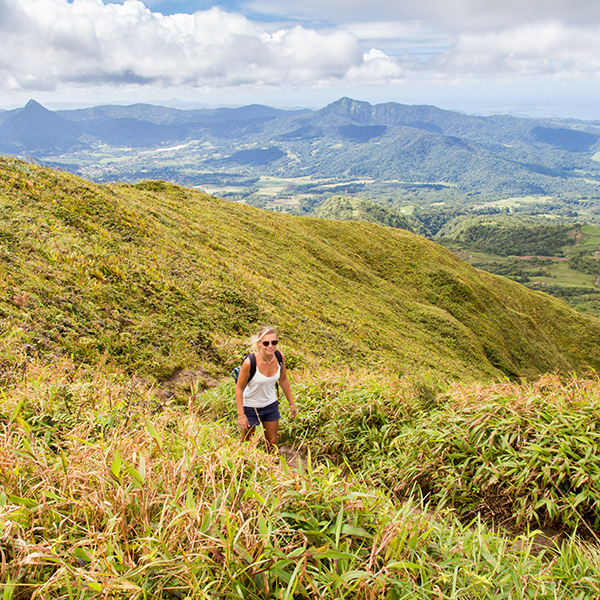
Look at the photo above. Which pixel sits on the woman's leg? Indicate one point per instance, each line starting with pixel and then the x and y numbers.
pixel 252 419
pixel 271 428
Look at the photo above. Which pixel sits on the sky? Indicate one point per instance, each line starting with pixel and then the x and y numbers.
pixel 527 57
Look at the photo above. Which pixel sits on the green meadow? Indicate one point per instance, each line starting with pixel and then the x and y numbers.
pixel 447 439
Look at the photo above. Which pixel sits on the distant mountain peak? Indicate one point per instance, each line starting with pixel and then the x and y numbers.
pixel 346 101
pixel 357 110
pixel 34 109
pixel 34 105
pixel 350 104
pixel 34 128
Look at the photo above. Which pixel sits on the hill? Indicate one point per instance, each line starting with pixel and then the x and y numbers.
pixel 342 208
pixel 427 144
pixel 36 130
pixel 159 278
pixel 107 489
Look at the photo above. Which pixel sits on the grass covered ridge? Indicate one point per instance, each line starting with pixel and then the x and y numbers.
pixel 158 278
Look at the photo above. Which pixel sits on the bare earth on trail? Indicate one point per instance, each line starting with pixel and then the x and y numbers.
pixel 293 457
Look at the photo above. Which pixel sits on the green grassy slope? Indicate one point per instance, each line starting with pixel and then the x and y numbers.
pixel 105 491
pixel 157 278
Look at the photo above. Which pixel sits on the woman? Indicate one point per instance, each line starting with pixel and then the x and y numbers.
pixel 255 396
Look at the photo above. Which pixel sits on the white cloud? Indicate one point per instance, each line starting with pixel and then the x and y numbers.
pixel 377 67
pixel 550 49
pixel 458 14
pixel 87 44
pixel 397 38
pixel 47 44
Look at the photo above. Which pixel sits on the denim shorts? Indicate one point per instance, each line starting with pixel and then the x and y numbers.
pixel 266 413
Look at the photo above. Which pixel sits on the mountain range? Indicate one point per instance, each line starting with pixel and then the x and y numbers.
pixel 35 129
pixel 344 141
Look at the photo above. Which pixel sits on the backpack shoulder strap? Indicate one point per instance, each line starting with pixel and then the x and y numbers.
pixel 252 358
pixel 279 357
pixel 280 361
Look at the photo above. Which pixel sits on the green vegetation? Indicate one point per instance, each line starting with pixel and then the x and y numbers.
pixel 345 140
pixel 107 494
pixel 394 154
pixel 120 478
pixel 513 453
pixel 504 239
pixel 343 208
pixel 161 278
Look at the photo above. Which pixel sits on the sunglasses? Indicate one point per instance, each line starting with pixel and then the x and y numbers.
pixel 273 343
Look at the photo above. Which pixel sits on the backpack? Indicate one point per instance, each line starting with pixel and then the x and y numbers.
pixel 236 372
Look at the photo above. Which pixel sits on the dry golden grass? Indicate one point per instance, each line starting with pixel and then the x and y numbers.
pixel 550 390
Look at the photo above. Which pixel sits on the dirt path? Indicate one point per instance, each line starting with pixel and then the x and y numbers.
pixel 293 457
pixel 183 381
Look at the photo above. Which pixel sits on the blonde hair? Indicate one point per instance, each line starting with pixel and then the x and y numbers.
pixel 260 334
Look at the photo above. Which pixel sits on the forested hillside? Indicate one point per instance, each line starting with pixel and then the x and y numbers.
pixel 343 208
pixel 561 260
pixel 373 149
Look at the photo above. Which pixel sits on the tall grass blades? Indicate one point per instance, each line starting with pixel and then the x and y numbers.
pixel 137 504
pixel 517 453
pixel 525 453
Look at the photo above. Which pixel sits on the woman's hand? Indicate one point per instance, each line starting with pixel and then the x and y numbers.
pixel 293 410
pixel 243 422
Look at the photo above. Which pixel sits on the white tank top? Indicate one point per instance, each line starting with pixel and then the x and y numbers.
pixel 260 390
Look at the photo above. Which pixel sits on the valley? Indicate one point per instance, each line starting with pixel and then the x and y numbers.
pixel 568 270
pixel 391 153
